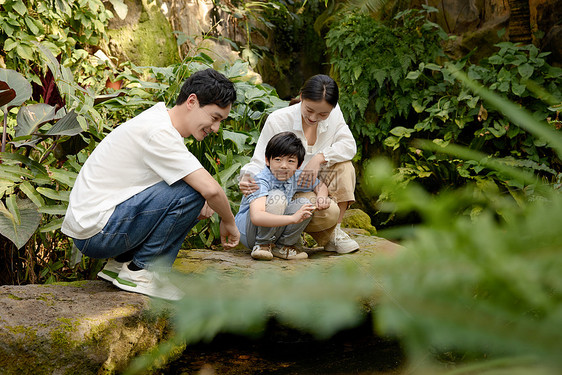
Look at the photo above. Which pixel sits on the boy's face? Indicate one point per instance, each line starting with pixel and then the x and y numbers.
pixel 283 167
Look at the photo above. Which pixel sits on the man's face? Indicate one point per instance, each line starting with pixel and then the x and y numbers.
pixel 207 120
pixel 283 167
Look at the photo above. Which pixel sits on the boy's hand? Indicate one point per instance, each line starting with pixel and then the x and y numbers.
pixel 247 185
pixel 230 236
pixel 323 203
pixel 304 213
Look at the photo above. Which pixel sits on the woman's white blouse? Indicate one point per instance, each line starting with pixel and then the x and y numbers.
pixel 334 139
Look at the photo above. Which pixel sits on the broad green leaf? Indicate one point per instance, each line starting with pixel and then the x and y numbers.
pixel 401 131
pixel 19 7
pixel 12 205
pixel 31 117
pixel 226 175
pixel 526 70
pixel 59 209
pixel 9 176
pixel 19 84
pixel 50 59
pixel 51 225
pixel 60 195
pixel 68 125
pixel 32 194
pixel 239 139
pixel 16 171
pixel 35 167
pixel 25 51
pixel 31 25
pixel 64 176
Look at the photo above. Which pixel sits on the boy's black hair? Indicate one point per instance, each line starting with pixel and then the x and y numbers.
pixel 210 86
pixel 285 144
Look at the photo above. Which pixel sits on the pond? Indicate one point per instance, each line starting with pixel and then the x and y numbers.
pixel 283 351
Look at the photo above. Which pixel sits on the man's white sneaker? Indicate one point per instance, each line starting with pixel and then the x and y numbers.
pixel 111 269
pixel 341 243
pixel 147 282
pixel 262 252
pixel 288 252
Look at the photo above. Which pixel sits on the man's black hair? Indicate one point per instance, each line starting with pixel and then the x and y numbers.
pixel 210 86
pixel 285 144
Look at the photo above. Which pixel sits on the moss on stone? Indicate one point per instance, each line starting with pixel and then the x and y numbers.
pixel 150 42
pixel 78 284
pixel 61 335
pixel 356 218
pixel 11 296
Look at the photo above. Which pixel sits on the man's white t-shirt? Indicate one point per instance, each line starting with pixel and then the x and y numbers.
pixel 136 155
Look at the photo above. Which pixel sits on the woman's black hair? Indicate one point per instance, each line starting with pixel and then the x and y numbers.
pixel 285 144
pixel 321 87
pixel 210 86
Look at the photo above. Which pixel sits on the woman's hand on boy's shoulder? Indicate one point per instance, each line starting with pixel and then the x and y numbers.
pixel 247 184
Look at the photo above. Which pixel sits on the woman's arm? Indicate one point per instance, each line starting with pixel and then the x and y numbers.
pixel 322 199
pixel 342 146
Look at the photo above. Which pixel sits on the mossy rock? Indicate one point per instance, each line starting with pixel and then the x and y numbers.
pixel 356 218
pixel 144 38
pixel 79 328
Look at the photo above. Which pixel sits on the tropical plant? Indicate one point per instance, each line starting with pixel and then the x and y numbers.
pixel 67 28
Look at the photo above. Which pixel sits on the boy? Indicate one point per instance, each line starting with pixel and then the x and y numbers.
pixel 141 191
pixel 270 221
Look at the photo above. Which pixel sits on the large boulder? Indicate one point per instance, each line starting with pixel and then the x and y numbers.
pixel 78 328
pixel 143 37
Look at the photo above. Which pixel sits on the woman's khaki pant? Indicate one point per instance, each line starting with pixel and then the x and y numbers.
pixel 340 179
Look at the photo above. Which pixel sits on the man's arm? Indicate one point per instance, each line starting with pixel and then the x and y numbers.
pixel 210 189
pixel 261 218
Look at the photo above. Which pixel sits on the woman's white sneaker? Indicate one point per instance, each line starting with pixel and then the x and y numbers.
pixel 340 242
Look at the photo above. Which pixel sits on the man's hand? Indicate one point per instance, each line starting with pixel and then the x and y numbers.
pixel 206 212
pixel 230 236
pixel 247 184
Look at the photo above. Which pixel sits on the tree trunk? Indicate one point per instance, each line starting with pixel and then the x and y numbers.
pixel 520 22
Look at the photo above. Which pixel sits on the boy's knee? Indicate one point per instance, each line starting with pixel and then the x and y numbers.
pixel 276 202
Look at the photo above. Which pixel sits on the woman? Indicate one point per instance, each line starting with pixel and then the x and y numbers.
pixel 318 121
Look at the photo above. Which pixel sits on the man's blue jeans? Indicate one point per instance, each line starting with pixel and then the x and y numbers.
pixel 147 227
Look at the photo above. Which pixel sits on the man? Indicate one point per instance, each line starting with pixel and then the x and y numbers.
pixel 141 191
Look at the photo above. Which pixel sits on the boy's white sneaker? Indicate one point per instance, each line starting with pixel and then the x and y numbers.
pixel 148 283
pixel 110 270
pixel 262 252
pixel 340 242
pixel 288 252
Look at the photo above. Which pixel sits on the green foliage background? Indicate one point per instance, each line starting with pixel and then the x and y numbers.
pixel 480 268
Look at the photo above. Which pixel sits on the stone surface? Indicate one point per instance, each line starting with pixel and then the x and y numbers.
pixel 91 327
pixel 77 328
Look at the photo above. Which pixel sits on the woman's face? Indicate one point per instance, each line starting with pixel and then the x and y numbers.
pixel 312 112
